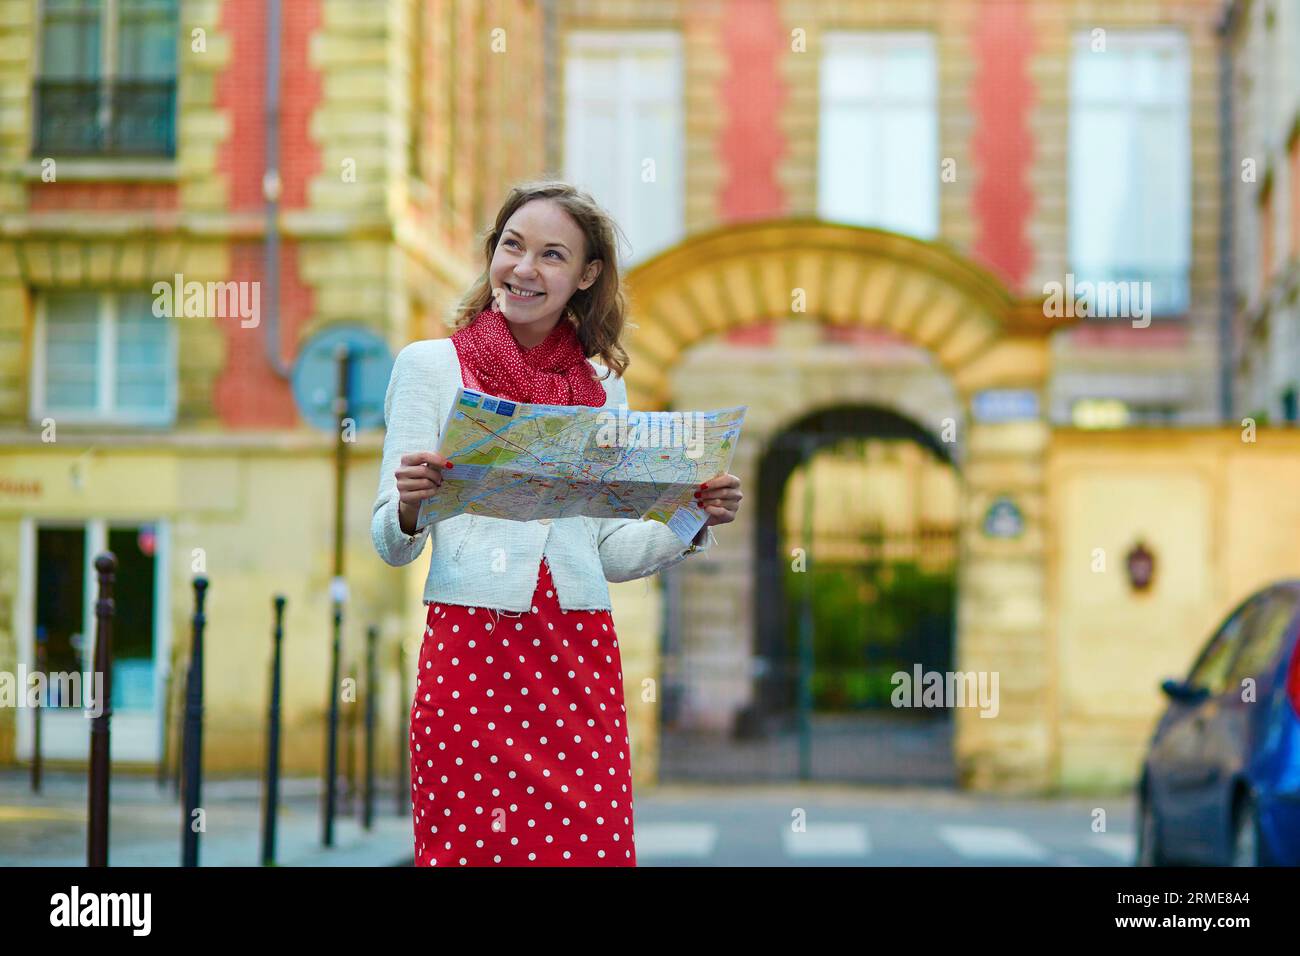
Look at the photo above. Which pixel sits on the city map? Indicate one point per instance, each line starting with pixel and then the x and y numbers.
pixel 523 462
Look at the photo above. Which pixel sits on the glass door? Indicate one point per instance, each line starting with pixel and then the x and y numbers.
pixel 62 590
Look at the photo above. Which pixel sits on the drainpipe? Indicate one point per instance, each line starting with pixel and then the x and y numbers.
pixel 1227 224
pixel 271 193
pixel 550 85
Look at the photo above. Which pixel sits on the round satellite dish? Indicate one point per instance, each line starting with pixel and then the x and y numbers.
pixel 315 377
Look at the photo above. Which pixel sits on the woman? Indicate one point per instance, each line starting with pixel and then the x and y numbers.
pixel 519 741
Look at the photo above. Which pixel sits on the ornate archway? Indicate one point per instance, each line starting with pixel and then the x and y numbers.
pixel 979 337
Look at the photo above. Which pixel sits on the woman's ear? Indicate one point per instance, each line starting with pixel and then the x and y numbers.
pixel 589 276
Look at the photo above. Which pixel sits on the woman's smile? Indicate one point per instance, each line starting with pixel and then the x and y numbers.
pixel 522 293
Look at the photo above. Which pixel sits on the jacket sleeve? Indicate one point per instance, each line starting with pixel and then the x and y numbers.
pixel 410 410
pixel 632 548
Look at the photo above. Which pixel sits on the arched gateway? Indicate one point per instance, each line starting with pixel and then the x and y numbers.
pixel 992 353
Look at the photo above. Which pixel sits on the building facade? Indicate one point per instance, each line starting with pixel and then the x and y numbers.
pixel 1262 46
pixel 912 178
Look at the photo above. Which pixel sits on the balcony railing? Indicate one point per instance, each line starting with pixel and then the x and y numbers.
pixel 120 117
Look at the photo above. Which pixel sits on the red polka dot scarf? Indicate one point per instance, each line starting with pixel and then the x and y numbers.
pixel 553 372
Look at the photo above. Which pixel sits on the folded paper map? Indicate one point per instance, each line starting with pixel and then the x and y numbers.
pixel 522 462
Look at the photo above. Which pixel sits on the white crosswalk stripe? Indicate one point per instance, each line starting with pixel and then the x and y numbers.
pixel 827 840
pixel 991 843
pixel 695 840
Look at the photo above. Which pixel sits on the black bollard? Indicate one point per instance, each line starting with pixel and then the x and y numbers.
pixel 192 756
pixel 332 731
pixel 368 782
pixel 403 744
pixel 350 748
pixel 272 806
pixel 97 843
pixel 41 659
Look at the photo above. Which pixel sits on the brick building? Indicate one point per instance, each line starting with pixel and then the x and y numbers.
pixel 970 153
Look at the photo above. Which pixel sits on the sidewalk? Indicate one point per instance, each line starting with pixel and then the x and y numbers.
pixel 49 828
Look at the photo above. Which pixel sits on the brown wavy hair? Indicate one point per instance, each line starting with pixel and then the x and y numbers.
pixel 599 312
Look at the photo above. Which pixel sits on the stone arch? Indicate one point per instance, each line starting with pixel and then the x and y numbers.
pixel 850 276
pixel 978 336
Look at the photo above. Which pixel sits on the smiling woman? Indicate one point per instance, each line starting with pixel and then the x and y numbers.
pixel 520 752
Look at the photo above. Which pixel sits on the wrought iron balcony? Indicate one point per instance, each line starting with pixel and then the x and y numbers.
pixel 98 117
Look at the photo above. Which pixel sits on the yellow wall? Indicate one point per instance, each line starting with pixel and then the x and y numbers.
pixel 261 511
pixel 1222 517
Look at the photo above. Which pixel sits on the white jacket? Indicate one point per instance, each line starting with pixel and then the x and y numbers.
pixel 493 562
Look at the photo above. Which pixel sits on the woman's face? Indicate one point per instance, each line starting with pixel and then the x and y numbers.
pixel 541 251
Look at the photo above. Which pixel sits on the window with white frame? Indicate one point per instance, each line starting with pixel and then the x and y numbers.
pixel 878 142
pixel 103 356
pixel 623 131
pixel 1130 163
pixel 107 78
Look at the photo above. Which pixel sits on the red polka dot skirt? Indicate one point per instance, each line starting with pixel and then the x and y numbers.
pixel 519 744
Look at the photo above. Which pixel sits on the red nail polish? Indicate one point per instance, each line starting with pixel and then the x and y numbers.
pixel 704 484
pixel 451 464
pixel 700 503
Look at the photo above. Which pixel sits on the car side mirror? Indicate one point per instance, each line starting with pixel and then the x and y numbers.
pixel 1182 691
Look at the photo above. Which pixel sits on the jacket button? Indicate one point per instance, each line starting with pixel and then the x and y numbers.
pixel 543 520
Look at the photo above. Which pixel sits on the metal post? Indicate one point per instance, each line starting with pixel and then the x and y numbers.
pixel 337 594
pixel 272 806
pixel 350 743
pixel 368 796
pixel 41 668
pixel 193 748
pixel 806 622
pixel 97 844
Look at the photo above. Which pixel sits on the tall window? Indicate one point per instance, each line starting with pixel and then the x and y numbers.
pixel 623 131
pixel 1130 164
pixel 878 154
pixel 103 357
pixel 107 81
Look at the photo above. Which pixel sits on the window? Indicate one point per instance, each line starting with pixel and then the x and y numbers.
pixel 107 82
pixel 1211 669
pixel 103 357
pixel 1130 164
pixel 623 131
pixel 878 150
pixel 1267 631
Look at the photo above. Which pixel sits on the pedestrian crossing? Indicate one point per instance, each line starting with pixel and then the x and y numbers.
pixel 847 843
pixel 827 840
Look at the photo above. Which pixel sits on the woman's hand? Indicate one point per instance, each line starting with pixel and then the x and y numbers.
pixel 419 477
pixel 720 497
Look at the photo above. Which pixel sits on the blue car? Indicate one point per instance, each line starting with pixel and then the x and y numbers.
pixel 1221 781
